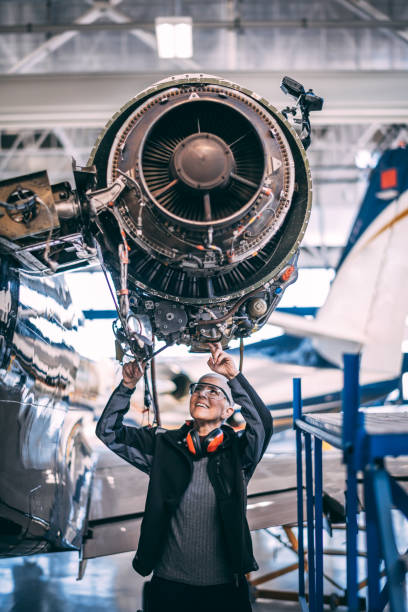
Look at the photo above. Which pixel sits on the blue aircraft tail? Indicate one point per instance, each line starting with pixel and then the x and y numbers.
pixel 388 180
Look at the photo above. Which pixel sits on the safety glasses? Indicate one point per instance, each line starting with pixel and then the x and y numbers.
pixel 209 390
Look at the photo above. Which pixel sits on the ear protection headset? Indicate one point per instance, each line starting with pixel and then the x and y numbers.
pixel 209 445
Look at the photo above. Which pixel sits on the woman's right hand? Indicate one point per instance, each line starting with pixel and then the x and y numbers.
pixel 132 372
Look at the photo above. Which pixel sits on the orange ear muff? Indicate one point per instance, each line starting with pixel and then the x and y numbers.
pixel 193 442
pixel 213 440
pixel 209 444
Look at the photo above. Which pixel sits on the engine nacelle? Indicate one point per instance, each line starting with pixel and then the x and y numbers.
pixel 217 201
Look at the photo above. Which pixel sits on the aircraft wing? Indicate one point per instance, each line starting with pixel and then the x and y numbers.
pixel 311 328
pixel 119 492
pixel 116 507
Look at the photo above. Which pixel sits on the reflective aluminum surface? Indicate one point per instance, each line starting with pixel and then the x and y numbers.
pixel 45 462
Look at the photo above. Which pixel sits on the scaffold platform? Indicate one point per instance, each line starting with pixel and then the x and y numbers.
pixel 366 438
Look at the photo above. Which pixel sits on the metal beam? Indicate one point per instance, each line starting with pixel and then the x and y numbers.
pixel 87 21
pixel 10 152
pixel 39 101
pixel 66 142
pixel 31 144
pixel 367 11
pixel 30 28
pixel 55 42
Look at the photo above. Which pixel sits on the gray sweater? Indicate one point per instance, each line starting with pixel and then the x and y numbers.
pixel 194 551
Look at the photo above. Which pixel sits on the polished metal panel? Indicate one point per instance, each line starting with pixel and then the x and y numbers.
pixel 43 335
pixel 45 462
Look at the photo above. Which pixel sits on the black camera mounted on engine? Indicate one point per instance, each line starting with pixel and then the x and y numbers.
pixel 306 101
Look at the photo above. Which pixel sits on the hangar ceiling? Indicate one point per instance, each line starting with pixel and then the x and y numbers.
pixel 65 68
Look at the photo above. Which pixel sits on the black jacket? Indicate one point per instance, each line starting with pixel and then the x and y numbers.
pixel 163 455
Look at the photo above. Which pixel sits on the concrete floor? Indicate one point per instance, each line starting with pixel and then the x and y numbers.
pixel 46 583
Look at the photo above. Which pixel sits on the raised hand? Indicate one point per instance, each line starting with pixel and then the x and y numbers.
pixel 132 372
pixel 220 362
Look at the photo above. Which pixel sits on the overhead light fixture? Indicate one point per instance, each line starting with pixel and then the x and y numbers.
pixel 174 37
pixel 363 159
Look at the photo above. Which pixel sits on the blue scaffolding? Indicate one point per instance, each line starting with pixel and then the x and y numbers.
pixel 365 440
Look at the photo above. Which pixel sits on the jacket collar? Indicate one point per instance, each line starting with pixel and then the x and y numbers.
pixel 176 436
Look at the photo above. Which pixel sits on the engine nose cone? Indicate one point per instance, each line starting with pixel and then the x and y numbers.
pixel 203 161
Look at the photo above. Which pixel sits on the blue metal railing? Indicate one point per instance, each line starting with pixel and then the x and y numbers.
pixel 362 451
pixel 297 413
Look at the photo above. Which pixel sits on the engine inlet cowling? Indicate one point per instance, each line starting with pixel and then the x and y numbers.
pixel 217 199
pixel 219 173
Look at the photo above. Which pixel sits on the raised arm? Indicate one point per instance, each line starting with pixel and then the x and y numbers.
pixel 134 444
pixel 259 425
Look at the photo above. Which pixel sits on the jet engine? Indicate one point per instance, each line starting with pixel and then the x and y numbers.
pixel 198 194
pixel 217 200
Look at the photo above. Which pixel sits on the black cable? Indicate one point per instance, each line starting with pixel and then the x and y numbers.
pixel 121 319
pixel 154 392
pixel 147 394
pixel 241 354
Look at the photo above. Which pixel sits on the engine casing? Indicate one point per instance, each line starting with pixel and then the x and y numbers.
pixel 218 200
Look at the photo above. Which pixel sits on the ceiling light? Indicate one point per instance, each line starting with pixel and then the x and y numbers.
pixel 363 159
pixel 174 37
